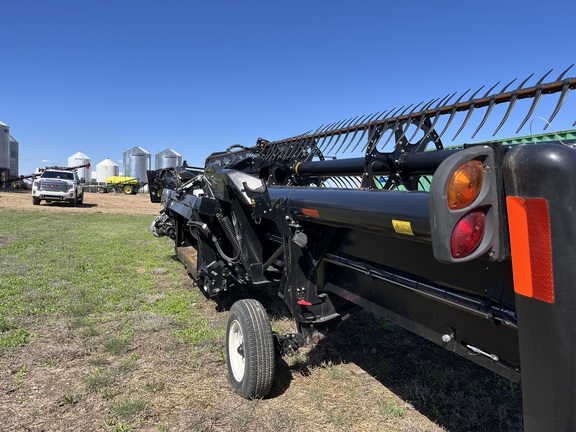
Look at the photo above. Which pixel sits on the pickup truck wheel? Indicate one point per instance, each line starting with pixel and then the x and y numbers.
pixel 36 201
pixel 250 352
pixel 80 199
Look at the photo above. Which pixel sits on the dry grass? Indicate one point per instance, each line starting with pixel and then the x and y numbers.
pixel 155 362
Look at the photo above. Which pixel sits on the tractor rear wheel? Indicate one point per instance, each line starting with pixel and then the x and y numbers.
pixel 250 354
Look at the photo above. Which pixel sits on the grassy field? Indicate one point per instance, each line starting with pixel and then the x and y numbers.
pixel 102 329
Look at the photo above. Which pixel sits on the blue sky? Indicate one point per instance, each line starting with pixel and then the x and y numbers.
pixel 101 76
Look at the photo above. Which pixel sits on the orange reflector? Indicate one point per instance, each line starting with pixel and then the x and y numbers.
pixel 310 212
pixel 529 226
pixel 465 184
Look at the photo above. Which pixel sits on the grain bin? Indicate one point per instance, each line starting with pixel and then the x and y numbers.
pixel 14 155
pixel 136 163
pixel 105 169
pixel 81 159
pixel 167 159
pixel 4 148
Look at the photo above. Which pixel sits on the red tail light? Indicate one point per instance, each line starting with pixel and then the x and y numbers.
pixel 467 234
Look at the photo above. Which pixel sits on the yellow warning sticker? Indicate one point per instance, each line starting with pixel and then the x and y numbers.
pixel 402 227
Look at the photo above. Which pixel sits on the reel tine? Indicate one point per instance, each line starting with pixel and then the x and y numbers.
pixel 338 126
pixel 349 132
pixel 270 150
pixel 488 112
pixel 489 109
pixel 437 113
pixel 360 121
pixel 535 101
pixel 298 145
pixel 490 89
pixel 409 121
pixel 314 141
pixel 313 135
pixel 512 104
pixel 346 126
pixel 341 130
pixel 422 118
pixel 561 99
pixel 285 148
pixel 373 118
pixel 469 114
pixel 564 73
pixel 382 121
pixel 507 85
pixel 273 151
pixel 395 127
pixel 330 126
pixel 452 113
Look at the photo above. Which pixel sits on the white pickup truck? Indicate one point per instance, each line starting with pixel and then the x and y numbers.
pixel 58 185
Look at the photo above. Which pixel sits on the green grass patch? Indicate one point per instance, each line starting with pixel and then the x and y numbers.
pixel 14 338
pixel 390 409
pixel 129 409
pixel 98 380
pixel 81 266
pixel 199 332
pixel 115 346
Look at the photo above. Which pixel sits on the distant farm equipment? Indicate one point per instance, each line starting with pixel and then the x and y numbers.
pixel 128 185
pixel 22 182
pixel 25 181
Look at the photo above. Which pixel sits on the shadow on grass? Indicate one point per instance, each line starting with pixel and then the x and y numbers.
pixel 448 389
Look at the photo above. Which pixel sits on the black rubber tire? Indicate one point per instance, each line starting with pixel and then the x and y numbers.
pixel 36 201
pixel 250 355
pixel 128 190
pixel 81 199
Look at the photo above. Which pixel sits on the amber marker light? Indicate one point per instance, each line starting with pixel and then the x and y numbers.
pixel 465 184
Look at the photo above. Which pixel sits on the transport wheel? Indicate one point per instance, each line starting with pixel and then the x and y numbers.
pixel 36 201
pixel 128 190
pixel 250 352
pixel 102 190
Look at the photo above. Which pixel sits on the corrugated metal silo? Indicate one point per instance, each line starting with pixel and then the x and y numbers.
pixel 106 168
pixel 167 159
pixel 136 163
pixel 4 148
pixel 14 155
pixel 81 159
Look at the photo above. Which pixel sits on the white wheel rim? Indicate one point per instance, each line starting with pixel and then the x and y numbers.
pixel 236 350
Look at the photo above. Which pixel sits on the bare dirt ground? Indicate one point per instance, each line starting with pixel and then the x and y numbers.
pixel 93 203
